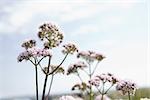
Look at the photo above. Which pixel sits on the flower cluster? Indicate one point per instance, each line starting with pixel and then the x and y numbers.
pixel 51 68
pixel 126 87
pixel 33 52
pixel 83 86
pixel 103 78
pixel 69 48
pixel 94 82
pixel 73 68
pixel 50 33
pixel 107 78
pixel 90 56
pixel 29 44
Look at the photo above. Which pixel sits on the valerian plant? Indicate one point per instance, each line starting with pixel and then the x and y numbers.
pixel 51 37
pixel 88 62
pixel 88 57
pixel 103 82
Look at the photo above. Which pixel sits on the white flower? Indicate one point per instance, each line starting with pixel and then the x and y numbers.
pixel 50 33
pixel 90 56
pixel 67 97
pixel 74 67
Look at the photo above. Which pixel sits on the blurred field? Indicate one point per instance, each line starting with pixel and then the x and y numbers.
pixel 114 95
pixel 140 93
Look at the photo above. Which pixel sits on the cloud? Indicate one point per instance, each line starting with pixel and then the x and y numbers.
pixel 22 13
pixel 85 29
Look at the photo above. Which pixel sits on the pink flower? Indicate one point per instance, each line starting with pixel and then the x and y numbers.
pixel 126 87
pixel 103 78
pixel 73 68
pixel 90 56
pixel 33 52
pixel 94 82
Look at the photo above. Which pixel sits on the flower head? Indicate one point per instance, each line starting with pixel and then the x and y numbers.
pixel 51 34
pixel 94 82
pixel 107 78
pixel 90 56
pixel 29 44
pixel 69 48
pixel 53 67
pixel 73 68
pixel 33 52
pixel 103 78
pixel 83 86
pixel 126 87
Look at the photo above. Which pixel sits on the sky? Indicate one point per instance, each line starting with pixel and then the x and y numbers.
pixel 118 29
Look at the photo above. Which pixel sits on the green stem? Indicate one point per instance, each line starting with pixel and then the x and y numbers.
pixel 129 96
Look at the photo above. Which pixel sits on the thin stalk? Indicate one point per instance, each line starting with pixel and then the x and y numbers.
pixel 59 64
pixel 99 90
pixel 46 77
pixel 109 89
pixel 79 76
pixel 42 68
pixel 40 60
pixel 81 80
pixel 103 91
pixel 50 86
pixel 95 67
pixel 90 76
pixel 85 71
pixel 129 96
pixel 102 97
pixel 36 75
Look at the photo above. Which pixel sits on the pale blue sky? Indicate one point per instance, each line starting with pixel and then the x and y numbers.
pixel 116 28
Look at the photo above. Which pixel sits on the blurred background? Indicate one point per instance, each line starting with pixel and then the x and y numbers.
pixel 119 29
